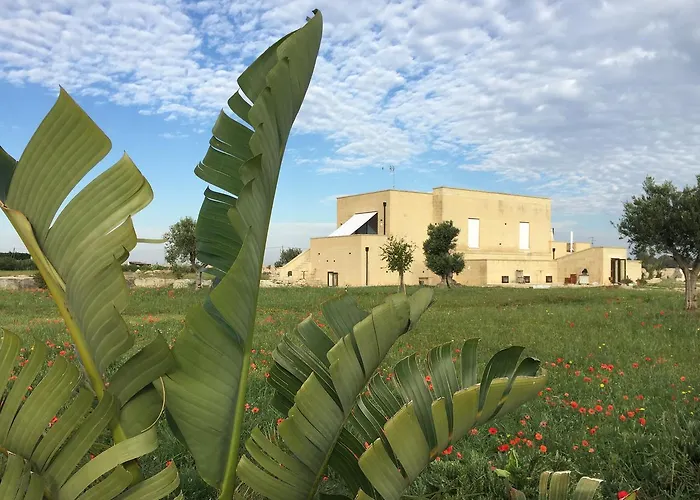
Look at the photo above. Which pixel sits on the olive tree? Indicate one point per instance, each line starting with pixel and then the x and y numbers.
pixel 180 243
pixel 439 250
pixel 398 255
pixel 665 220
pixel 287 255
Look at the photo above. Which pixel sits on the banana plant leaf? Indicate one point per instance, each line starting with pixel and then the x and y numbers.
pixel 428 411
pixel 49 422
pixel 79 250
pixel 556 486
pixel 206 389
pixel 317 382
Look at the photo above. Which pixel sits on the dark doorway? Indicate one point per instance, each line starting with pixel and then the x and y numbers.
pixel 332 278
pixel 618 270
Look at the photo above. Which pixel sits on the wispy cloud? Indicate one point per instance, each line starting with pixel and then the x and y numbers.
pixel 578 99
pixel 173 135
pixel 332 198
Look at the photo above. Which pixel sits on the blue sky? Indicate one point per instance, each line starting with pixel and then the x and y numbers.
pixel 573 100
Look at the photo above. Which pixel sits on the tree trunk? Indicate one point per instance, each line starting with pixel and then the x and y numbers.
pixel 402 284
pixel 691 279
pixel 447 280
pixel 193 261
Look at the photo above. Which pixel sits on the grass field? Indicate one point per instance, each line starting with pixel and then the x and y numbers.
pixel 620 404
pixel 16 273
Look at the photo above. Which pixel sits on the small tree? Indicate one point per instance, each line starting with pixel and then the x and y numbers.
pixel 398 255
pixel 665 220
pixel 286 255
pixel 440 256
pixel 180 243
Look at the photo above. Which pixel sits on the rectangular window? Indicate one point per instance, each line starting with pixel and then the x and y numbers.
pixel 526 279
pixel 548 279
pixel 473 233
pixel 524 236
pixel 504 279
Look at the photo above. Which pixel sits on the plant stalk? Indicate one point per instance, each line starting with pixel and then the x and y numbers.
pixel 228 486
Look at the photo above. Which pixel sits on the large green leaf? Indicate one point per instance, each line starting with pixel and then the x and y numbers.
pixel 206 392
pixel 438 408
pixel 7 169
pixel 556 486
pixel 79 250
pixel 48 424
pixel 317 385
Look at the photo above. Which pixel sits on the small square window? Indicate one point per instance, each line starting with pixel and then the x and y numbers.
pixel 289 274
pixel 526 279
pixel 504 279
pixel 548 279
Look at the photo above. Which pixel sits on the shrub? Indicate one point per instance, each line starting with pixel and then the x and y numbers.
pixel 39 281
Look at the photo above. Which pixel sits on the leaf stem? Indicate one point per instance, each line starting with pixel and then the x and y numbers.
pixel 57 290
pixel 228 485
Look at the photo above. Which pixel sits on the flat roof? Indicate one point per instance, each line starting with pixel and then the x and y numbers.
pixel 445 187
pixel 493 192
pixel 383 191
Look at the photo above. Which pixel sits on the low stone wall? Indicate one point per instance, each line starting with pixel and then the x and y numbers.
pixel 17 283
pixel 165 283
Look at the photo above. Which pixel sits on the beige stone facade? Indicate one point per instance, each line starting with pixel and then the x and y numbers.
pixel 505 238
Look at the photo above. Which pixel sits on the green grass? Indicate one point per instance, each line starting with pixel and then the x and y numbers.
pixel 645 335
pixel 17 273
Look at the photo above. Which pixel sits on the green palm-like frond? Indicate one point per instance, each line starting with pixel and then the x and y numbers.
pixel 206 392
pixel 556 486
pixel 317 382
pixel 79 251
pixel 428 411
pixel 48 424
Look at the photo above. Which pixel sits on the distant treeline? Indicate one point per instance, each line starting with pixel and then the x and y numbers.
pixel 654 263
pixel 16 261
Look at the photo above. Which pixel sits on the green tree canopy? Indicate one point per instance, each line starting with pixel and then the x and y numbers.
pixel 398 255
pixel 180 243
pixel 666 220
pixel 286 255
pixel 439 250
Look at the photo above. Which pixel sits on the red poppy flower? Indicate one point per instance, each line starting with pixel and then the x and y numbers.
pixel 503 448
pixel 493 431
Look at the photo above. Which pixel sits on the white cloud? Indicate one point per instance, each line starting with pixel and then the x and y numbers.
pixel 173 135
pixel 578 99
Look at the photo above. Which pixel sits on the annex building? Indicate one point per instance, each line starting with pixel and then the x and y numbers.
pixel 505 238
